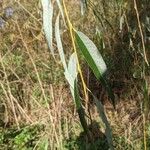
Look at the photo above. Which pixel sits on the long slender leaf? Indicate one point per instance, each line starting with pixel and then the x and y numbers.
pixel 95 60
pixel 61 9
pixel 59 43
pixel 101 111
pixel 80 109
pixel 71 72
pixel 91 54
pixel 71 76
pixel 47 22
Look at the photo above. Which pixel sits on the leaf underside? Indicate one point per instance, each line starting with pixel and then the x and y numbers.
pixel 47 22
pixel 94 60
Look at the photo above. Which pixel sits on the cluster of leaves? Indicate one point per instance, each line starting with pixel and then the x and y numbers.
pixel 24 138
pixel 71 70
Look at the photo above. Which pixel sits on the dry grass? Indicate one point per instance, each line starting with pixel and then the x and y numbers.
pixel 33 90
pixel 32 86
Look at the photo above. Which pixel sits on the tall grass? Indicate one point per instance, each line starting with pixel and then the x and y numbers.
pixel 33 89
pixel 91 55
pixel 122 29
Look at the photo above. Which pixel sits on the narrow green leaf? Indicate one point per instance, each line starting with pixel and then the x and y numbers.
pixel 71 76
pixel 47 22
pixel 94 60
pixel 91 54
pixel 79 107
pixel 59 43
pixel 101 111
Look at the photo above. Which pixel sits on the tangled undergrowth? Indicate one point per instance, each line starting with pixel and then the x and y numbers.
pixel 36 108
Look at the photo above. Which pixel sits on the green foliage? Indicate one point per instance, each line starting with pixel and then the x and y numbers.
pixel 90 52
pixel 24 139
pixel 71 76
pixel 104 119
pixel 121 143
pixel 79 143
pixel 95 61
pixel 117 38
pixel 80 109
pixel 59 43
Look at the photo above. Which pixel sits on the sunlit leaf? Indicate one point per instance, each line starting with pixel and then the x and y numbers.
pixel 71 76
pixel 71 72
pixel 47 22
pixel 59 43
pixel 94 60
pixel 91 54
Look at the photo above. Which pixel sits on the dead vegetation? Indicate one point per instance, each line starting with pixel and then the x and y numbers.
pixel 33 89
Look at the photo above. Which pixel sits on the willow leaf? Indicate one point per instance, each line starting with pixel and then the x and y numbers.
pixel 59 43
pixel 94 60
pixel 108 131
pixel 71 71
pixel 91 54
pixel 71 76
pixel 47 22
pixel 61 9
pixel 79 107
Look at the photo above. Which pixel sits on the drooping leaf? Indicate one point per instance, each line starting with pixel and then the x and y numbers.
pixel 91 54
pixel 72 66
pixel 61 9
pixel 59 43
pixel 47 22
pixel 94 60
pixel 108 131
pixel 71 76
pixel 71 72
pixel 79 107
